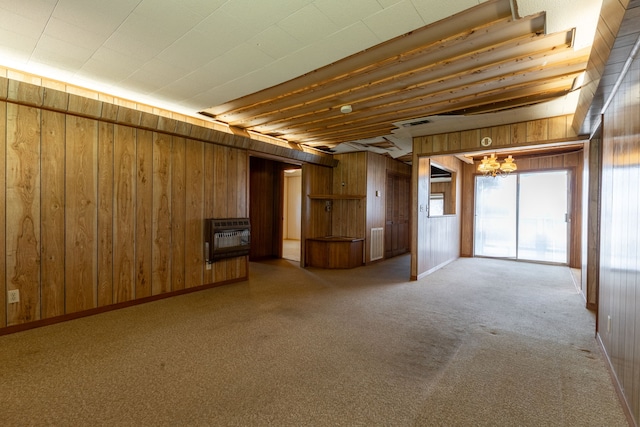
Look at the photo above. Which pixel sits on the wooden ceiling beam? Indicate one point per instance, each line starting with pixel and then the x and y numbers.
pixel 437 94
pixel 534 92
pixel 474 17
pixel 465 45
pixel 514 51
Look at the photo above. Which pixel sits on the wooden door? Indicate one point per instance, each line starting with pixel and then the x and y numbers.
pixel 397 215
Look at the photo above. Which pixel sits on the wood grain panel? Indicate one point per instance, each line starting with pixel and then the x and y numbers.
pixel 105 214
pixel 194 260
pixel 316 220
pixel 619 298
pixel 81 214
pixel 161 227
pixel 3 228
pixel 53 211
pixel 375 189
pixel 144 213
pixel 23 212
pixel 124 213
pixel 209 197
pixel 178 213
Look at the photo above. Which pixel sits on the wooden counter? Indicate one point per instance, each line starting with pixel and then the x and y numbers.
pixel 334 252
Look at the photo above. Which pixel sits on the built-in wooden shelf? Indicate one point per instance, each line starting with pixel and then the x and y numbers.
pixel 336 197
pixel 334 252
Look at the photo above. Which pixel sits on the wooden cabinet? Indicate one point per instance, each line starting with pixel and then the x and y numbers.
pixel 334 252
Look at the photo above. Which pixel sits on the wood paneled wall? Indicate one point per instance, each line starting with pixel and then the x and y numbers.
pixel 267 199
pixel 572 162
pixel 619 295
pixel 535 132
pixel 95 213
pixel 437 239
pixel 350 178
pixel 376 197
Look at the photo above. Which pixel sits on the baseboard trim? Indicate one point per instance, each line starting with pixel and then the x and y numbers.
pixel 98 310
pixel 616 384
pixel 437 267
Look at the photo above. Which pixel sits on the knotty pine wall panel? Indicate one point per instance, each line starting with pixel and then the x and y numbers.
pixel 209 184
pixel 619 293
pixel 124 213
pixel 23 212
pixel 161 226
pixel 3 205
pixel 349 178
pixel 144 212
pixel 81 241
pixel 178 213
pixel 53 213
pixel 315 219
pixel 554 129
pixel 438 238
pixel 194 224
pixel 94 213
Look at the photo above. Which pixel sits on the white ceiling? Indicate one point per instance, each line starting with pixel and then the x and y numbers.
pixel 190 55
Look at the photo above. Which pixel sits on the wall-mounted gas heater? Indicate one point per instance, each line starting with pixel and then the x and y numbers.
pixel 226 238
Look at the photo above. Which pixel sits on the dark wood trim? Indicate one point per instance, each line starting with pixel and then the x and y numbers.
pixel 98 310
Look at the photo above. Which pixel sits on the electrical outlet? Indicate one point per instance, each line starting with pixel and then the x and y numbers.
pixel 14 296
pixel 208 266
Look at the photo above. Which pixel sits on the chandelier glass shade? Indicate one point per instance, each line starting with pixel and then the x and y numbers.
pixel 492 166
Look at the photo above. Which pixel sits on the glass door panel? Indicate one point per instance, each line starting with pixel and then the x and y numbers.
pixel 542 225
pixel 495 216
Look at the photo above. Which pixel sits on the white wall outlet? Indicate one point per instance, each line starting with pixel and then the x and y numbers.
pixel 208 266
pixel 14 296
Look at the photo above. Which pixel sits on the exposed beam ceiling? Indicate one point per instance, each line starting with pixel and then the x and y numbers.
pixel 285 67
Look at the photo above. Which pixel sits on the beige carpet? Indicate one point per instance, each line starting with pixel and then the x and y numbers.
pixel 480 342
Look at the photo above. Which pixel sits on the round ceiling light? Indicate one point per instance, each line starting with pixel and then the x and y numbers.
pixel 346 109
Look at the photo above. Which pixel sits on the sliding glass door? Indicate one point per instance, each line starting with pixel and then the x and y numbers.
pixel 522 216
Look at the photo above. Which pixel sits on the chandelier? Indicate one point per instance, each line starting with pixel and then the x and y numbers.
pixel 492 166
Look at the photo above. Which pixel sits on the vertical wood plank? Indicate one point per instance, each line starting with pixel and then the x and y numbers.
pixel 105 214
pixel 222 185
pixel 124 213
pixel 194 262
pixel 23 212
pixel 161 263
pixel 53 208
pixel 209 196
pixel 81 214
pixel 3 228
pixel 144 212
pixel 178 209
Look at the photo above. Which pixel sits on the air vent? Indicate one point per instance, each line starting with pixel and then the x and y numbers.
pixel 416 123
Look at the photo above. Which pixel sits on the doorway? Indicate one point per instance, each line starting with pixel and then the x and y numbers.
pixel 292 214
pixel 523 216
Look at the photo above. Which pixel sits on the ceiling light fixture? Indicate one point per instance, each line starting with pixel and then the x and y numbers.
pixel 346 109
pixel 492 166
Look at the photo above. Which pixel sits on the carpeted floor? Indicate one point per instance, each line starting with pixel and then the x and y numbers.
pixel 480 342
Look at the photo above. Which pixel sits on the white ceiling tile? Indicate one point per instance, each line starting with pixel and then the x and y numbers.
pixel 35 10
pixel 260 15
pixel 224 30
pixel 388 3
pixel 192 51
pixel 61 54
pixel 395 20
pixel 275 42
pixel 69 33
pixel 435 11
pixel 102 17
pixel 111 65
pixel 180 90
pixel 308 25
pixel 345 13
pixel 237 62
pixel 14 22
pixel 201 7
